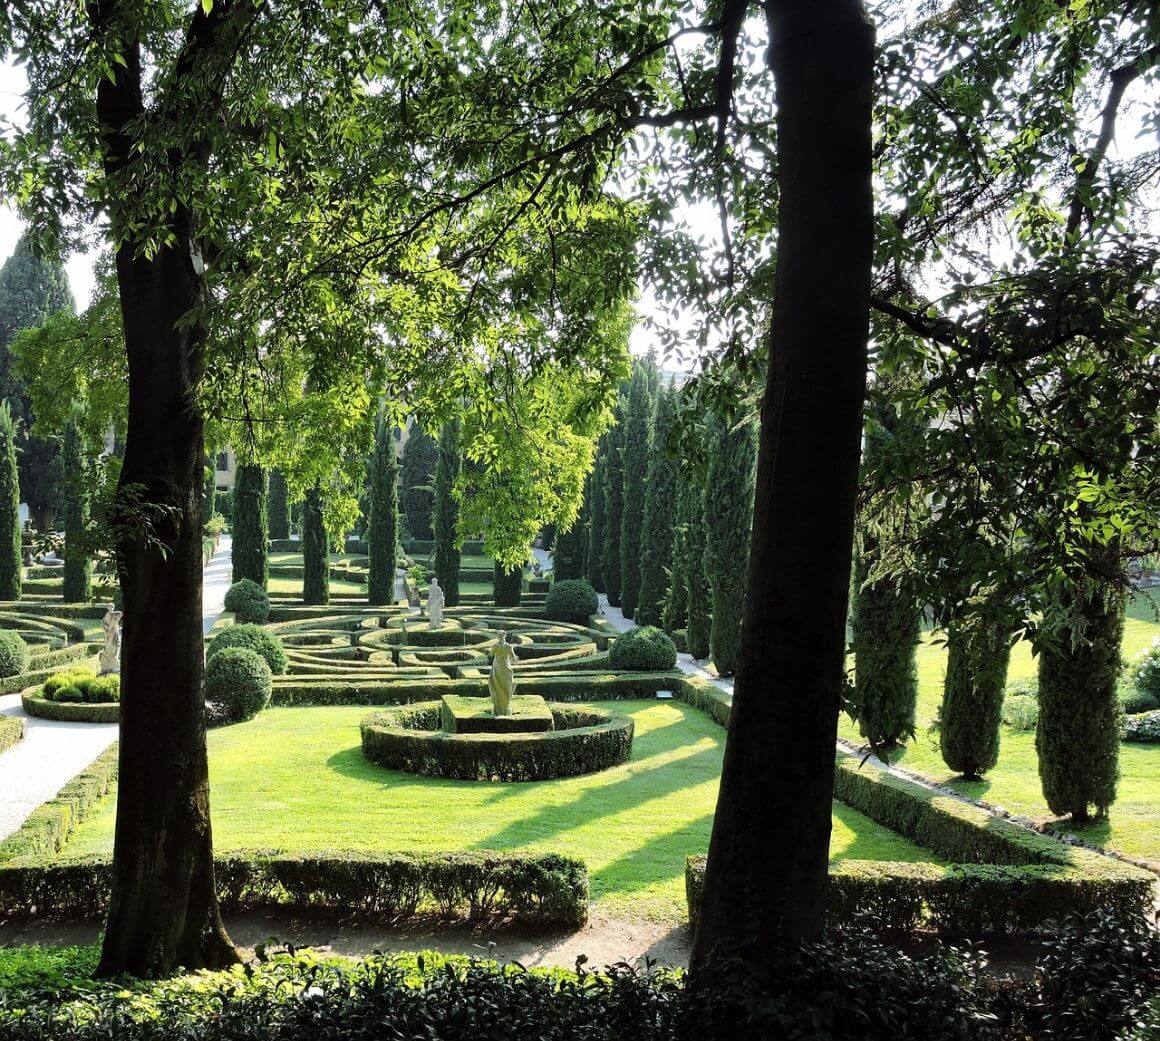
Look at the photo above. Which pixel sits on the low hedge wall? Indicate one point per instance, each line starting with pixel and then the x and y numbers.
pixel 11 731
pixel 546 889
pixel 48 663
pixel 35 704
pixel 585 740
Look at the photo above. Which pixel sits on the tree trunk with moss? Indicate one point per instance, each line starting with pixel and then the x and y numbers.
pixel 315 551
pixel 78 568
pixel 250 548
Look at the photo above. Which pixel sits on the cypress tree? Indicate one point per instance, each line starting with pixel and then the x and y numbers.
pixel 676 608
pixel 1078 735
pixel 11 559
pixel 417 498
pixel 978 651
pixel 594 496
pixel 209 496
pixel 507 585
pixel 249 527
pixel 279 506
pixel 315 551
pixel 383 523
pixel 660 509
pixel 696 577
pixel 446 515
pixel 635 456
pixel 613 489
pixel 728 521
pixel 78 568
pixel 568 552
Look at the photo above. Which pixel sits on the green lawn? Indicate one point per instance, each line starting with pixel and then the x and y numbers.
pixel 1134 824
pixel 295 778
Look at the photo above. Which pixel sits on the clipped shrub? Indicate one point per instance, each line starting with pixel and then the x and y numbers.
pixel 612 487
pixel 14 653
pixel 978 651
pixel 383 522
pixel 237 683
pixel 254 638
pixel 251 534
pixel 315 550
pixel 82 687
pixel 662 488
pixel 680 638
pixel 248 601
pixel 1144 672
pixel 446 554
pixel 1021 712
pixel 1143 729
pixel 1134 700
pixel 634 460
pixel 571 600
pixel 644 649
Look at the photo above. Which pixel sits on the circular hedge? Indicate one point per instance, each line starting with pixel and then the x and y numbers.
pixel 238 683
pixel 645 649
pixel 247 601
pixel 252 638
pixel 36 704
pixel 14 653
pixel 408 738
pixel 571 600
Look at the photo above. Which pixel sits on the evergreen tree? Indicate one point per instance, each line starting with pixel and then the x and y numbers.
pixel 420 457
pixel 78 568
pixel 978 651
pixel 446 515
pixel 595 505
pixel 1078 735
pixel 635 457
pixel 11 558
pixel 315 551
pixel 613 488
pixel 249 526
pixel 279 506
pixel 662 487
pixel 695 574
pixel 676 607
pixel 383 524
pixel 208 496
pixel 568 552
pixel 728 519
pixel 507 586
pixel 32 290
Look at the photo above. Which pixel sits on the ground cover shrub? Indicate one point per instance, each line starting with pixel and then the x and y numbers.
pixel 1020 712
pixel 14 653
pixel 237 683
pixel 82 687
pixel 1143 729
pixel 644 649
pixel 255 638
pixel 571 600
pixel 248 601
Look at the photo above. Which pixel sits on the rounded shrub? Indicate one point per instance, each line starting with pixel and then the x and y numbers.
pixel 1144 672
pixel 645 649
pixel 14 653
pixel 253 638
pixel 82 687
pixel 571 600
pixel 247 601
pixel 1134 700
pixel 237 683
pixel 1021 712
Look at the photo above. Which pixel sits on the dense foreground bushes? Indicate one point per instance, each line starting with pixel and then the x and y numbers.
pixel 1092 983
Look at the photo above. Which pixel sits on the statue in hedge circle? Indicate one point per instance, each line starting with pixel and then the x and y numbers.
pixel 501 679
pixel 111 653
pixel 435 602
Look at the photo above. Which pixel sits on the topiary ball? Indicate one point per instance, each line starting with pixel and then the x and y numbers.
pixel 237 684
pixel 253 638
pixel 247 601
pixel 14 653
pixel 571 600
pixel 644 649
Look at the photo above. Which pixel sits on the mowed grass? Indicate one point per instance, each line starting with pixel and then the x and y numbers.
pixel 1133 826
pixel 295 779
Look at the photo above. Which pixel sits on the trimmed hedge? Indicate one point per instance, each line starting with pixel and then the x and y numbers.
pixel 14 653
pixel 36 704
pixel 544 889
pixel 253 638
pixel 247 601
pixel 51 662
pixel 644 649
pixel 11 731
pixel 584 740
pixel 572 600
pixel 82 686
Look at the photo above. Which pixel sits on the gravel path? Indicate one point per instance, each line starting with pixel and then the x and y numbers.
pixel 52 753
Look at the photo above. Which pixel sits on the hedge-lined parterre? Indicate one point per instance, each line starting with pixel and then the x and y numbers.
pixel 75 696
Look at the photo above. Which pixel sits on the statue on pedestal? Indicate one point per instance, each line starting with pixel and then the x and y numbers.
pixel 501 680
pixel 111 654
pixel 435 601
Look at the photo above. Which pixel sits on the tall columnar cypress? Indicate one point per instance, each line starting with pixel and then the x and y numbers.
pixel 507 585
pixel 11 559
pixel 1078 736
pixel 78 569
pixel 635 455
pixel 596 508
pixel 249 527
pixel 978 651
pixel 417 498
pixel 613 489
pixel 315 551
pixel 728 521
pixel 676 607
pixel 660 509
pixel 568 552
pixel 886 622
pixel 279 506
pixel 208 496
pixel 696 576
pixel 383 523
pixel 446 516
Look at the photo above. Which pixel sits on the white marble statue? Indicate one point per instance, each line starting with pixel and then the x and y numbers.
pixel 111 654
pixel 435 601
pixel 501 679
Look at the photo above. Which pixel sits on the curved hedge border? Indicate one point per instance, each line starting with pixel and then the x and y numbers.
pixel 11 731
pixel 69 711
pixel 585 740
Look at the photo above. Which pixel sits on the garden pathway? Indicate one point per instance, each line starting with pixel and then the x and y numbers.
pixel 52 753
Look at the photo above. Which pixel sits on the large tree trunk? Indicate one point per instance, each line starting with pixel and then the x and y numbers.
pixel 768 858
pixel 164 910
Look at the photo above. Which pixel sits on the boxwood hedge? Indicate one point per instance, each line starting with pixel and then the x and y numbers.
pixel 11 731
